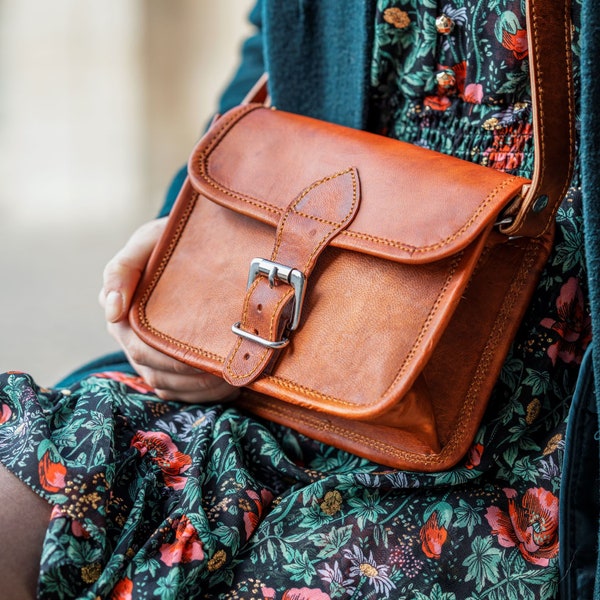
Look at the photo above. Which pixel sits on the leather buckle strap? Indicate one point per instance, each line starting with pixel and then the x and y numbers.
pixel 271 309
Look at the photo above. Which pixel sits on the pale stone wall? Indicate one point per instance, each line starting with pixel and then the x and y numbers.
pixel 100 102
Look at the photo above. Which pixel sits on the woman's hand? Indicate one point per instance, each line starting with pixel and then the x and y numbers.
pixel 172 380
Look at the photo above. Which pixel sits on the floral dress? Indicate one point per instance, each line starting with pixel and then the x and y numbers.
pixel 161 499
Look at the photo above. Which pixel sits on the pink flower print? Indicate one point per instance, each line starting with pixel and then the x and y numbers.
pixel 473 93
pixel 251 519
pixel 186 547
pixel 305 594
pixel 531 525
pixel 5 413
pixel 164 453
pixel 573 325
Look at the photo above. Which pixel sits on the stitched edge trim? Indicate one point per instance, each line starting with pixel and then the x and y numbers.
pixel 202 162
pixel 141 312
pixel 454 444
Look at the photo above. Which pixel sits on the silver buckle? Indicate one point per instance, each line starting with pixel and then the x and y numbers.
pixel 275 273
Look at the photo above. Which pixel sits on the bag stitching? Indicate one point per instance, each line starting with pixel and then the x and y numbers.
pixel 465 412
pixel 433 310
pixel 205 173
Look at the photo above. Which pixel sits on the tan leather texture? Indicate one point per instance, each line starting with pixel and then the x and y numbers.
pixel 411 295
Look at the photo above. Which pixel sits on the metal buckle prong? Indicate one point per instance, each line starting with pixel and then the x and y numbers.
pixel 275 273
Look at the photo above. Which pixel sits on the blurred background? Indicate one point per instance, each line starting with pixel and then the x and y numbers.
pixel 100 103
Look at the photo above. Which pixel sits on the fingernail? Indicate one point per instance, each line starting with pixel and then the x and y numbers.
pixel 113 306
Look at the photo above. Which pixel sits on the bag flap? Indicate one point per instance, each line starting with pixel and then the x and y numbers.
pixel 417 205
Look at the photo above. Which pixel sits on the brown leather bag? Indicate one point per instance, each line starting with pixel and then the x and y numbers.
pixel 361 290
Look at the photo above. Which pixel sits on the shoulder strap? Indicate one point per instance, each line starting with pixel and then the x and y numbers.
pixel 549 27
pixel 259 92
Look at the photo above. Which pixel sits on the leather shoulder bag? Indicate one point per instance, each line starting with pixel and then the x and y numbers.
pixel 361 290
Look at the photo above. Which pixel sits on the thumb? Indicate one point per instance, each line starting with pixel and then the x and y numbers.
pixel 123 271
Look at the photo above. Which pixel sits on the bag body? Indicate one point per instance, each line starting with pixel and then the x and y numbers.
pixel 411 295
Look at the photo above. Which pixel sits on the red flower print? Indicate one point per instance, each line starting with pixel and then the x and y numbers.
pixel 434 532
pixel 474 456
pixel 531 526
pixel 57 512
pixel 186 547
pixel 5 413
pixel 52 474
pixel 446 81
pixel 460 74
pixel 78 529
pixel 433 536
pixel 251 519
pixel 511 34
pixel 136 383
pixel 516 42
pixel 473 93
pixel 573 324
pixel 440 103
pixel 305 594
pixel 506 151
pixel 123 590
pixel 268 593
pixel 164 453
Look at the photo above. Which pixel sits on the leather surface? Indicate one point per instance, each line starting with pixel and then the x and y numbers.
pixel 397 348
pixel 412 295
pixel 553 105
pixel 432 216
pixel 311 221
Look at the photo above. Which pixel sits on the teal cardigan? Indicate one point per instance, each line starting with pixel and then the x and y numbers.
pixel 589 382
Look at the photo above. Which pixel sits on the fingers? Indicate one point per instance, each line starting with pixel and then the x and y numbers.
pixel 197 387
pixel 123 271
pixel 143 355
pixel 220 392
pixel 170 378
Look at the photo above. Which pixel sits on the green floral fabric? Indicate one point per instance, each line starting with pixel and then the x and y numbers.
pixel 161 499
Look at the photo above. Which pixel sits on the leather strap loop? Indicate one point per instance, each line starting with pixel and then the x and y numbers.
pixel 259 93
